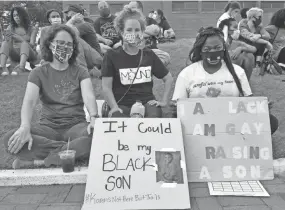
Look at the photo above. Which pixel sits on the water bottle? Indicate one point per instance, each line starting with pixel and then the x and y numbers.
pixel 137 110
pixel 279 167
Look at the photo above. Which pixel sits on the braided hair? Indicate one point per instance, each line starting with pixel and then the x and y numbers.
pixel 195 52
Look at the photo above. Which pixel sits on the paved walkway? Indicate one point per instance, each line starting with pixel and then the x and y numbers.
pixel 70 197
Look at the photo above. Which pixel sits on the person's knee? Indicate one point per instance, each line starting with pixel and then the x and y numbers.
pixel 153 111
pixel 274 123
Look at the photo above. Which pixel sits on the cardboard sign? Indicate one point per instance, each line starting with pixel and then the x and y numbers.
pixel 137 163
pixel 226 139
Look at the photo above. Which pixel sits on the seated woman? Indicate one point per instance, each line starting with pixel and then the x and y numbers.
pixel 127 73
pixel 276 29
pixel 252 32
pixel 20 43
pixel 240 52
pixel 211 63
pixel 63 88
pixel 232 10
pixel 167 31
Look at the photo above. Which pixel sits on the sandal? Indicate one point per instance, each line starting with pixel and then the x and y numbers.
pixel 17 70
pixel 5 71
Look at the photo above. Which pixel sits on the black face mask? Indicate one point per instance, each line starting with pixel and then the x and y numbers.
pixel 104 12
pixel 213 58
pixel 257 22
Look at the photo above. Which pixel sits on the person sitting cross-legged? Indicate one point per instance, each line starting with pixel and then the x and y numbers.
pixel 63 88
pixel 19 44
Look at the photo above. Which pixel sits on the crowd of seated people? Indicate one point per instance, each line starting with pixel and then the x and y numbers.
pixel 124 44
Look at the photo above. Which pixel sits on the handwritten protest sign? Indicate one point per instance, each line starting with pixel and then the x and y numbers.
pixel 137 163
pixel 226 139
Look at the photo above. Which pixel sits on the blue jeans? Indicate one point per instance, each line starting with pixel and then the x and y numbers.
pixel 47 142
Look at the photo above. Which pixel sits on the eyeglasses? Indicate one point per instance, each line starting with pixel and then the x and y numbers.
pixel 64 44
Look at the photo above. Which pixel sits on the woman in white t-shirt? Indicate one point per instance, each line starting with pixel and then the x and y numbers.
pixel 212 73
pixel 232 9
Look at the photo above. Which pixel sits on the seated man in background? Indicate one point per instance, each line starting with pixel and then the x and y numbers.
pixel 86 30
pixel 104 27
pixel 240 52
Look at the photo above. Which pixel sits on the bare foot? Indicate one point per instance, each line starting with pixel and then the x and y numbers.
pixel 22 163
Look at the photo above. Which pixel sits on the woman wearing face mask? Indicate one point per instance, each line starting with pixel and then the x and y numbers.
pixel 212 66
pixel 252 32
pixel 20 42
pixel 167 31
pixel 122 82
pixel 232 10
pixel 63 88
pixel 240 52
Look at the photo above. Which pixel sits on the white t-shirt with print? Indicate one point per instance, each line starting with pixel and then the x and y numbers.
pixel 195 82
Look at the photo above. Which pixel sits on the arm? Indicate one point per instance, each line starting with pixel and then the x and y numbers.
pixel 264 34
pixel 29 103
pixel 33 37
pixel 107 86
pixel 246 47
pixel 100 38
pixel 168 80
pixel 89 97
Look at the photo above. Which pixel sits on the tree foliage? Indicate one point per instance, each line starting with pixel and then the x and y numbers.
pixel 36 9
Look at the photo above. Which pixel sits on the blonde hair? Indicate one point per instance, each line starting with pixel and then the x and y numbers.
pixel 126 14
pixel 253 12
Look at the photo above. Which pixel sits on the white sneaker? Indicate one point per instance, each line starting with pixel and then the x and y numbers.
pixel 5 72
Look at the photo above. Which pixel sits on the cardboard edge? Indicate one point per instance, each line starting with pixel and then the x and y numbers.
pixel 51 176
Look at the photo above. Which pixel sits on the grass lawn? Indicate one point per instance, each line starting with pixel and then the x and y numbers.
pixel 12 91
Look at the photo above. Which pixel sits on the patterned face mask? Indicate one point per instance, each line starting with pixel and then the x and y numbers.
pixel 133 38
pixel 62 51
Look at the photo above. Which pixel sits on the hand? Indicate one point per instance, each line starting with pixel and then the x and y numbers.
pixel 115 109
pixel 269 46
pixel 90 127
pixel 104 48
pixel 236 53
pixel 76 17
pixel 19 139
pixel 117 45
pixel 108 42
pixel 173 108
pixel 157 103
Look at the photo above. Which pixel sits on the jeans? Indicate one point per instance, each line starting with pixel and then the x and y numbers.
pixel 247 62
pixel 15 53
pixel 47 142
pixel 151 111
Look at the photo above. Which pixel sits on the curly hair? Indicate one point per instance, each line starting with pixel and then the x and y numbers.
pixel 126 14
pixel 232 5
pixel 23 16
pixel 195 52
pixel 243 13
pixel 278 19
pixel 52 32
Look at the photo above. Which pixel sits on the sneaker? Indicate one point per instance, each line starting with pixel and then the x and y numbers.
pixel 5 71
pixel 17 70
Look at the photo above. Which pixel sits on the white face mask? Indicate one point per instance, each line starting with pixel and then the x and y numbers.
pixel 154 16
pixel 236 35
pixel 55 20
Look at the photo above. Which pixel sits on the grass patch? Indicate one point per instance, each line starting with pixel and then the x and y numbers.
pixel 12 91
